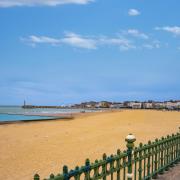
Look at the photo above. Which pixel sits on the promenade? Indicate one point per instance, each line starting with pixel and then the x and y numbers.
pixel 172 174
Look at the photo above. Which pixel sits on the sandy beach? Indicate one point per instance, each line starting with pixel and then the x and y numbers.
pixel 44 147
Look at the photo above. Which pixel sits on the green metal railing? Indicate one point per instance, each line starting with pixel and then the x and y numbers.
pixel 144 162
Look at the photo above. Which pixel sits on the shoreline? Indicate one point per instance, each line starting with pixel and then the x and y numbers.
pixel 34 121
pixel 53 117
pixel 70 116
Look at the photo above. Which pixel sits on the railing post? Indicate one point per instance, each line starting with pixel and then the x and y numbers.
pixel 118 164
pixel 140 162
pixel 178 146
pixel 167 153
pixel 149 160
pixel 51 176
pixel 178 141
pixel 156 159
pixel 77 176
pixel 104 166
pixel 87 166
pixel 162 156
pixel 172 151
pixel 130 139
pixel 65 172
pixel 36 177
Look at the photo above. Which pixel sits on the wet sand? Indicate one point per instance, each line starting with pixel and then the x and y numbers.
pixel 44 147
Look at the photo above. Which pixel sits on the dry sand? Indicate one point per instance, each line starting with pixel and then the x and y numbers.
pixel 44 147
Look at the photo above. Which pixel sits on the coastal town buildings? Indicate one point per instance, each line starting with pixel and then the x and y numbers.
pixel 167 105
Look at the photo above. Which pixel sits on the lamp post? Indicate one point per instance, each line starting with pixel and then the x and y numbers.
pixel 130 139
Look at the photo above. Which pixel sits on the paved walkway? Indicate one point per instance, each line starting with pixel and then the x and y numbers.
pixel 172 174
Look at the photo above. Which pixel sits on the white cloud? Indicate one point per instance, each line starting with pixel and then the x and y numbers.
pixel 152 45
pixel 133 12
pixel 43 39
pixel 123 43
pixel 156 44
pixel 33 40
pixel 79 41
pixel 148 46
pixel 94 42
pixel 11 3
pixel 71 39
pixel 172 29
pixel 136 33
pixel 76 40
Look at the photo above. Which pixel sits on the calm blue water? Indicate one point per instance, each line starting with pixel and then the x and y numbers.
pixel 14 113
pixel 13 117
pixel 43 111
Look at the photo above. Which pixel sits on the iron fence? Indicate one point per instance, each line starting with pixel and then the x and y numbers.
pixel 144 162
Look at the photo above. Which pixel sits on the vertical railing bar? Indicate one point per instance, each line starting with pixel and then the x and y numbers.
pixel 104 167
pixel 152 160
pixel 144 157
pixel 172 152
pixel 149 159
pixel 118 164
pixel 135 163
pixel 124 168
pixel 155 159
pixel 162 156
pixel 159 150
pixel 111 167
pixel 140 161
pixel 176 140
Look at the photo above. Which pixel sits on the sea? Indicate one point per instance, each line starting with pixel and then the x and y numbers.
pixel 17 113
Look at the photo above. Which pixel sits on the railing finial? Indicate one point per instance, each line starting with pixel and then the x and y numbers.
pixel 130 139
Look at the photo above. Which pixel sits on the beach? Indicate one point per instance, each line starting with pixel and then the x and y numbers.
pixel 44 147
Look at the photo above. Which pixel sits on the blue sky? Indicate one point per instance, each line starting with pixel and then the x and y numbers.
pixel 66 51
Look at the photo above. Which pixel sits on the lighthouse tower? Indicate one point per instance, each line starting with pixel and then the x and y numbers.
pixel 24 103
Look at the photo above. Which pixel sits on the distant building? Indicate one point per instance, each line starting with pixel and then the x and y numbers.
pixel 104 104
pixel 91 104
pixel 147 105
pixel 171 105
pixel 117 105
pixel 158 105
pixel 135 105
pixel 98 105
